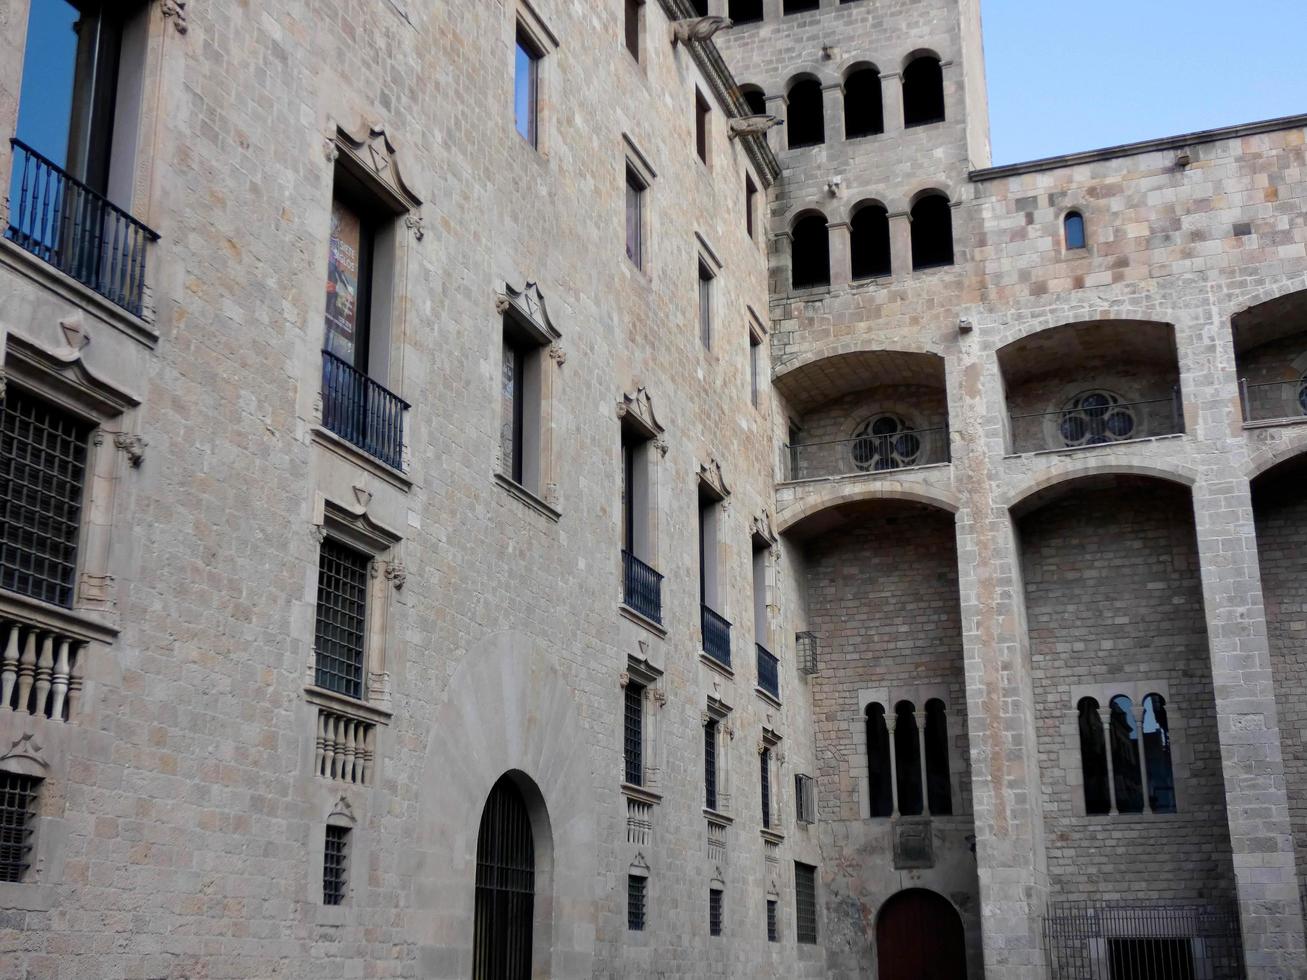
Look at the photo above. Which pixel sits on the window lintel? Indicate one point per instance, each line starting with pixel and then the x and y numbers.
pixel 526 307
pixel 373 159
pixel 61 376
pixel 636 410
pixel 355 527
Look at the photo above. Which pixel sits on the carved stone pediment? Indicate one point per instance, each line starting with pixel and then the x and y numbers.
pixel 760 527
pixel 710 475
pixel 756 125
pixel 698 28
pixel 370 150
pixel 355 524
pixel 342 812
pixel 25 756
pixel 638 410
pixel 527 307
pixel 62 371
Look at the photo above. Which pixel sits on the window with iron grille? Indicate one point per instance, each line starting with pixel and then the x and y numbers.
pixel 341 618
pixel 634 738
pixel 335 863
pixel 505 887
pixel 636 893
pixel 805 799
pixel 805 903
pixel 714 911
pixel 17 823
pixel 773 928
pixel 765 775
pixel 42 476
pixel 710 763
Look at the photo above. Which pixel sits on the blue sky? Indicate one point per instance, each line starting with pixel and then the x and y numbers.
pixel 1067 76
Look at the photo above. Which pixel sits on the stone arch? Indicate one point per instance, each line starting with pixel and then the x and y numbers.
pixel 755 96
pixel 829 497
pixel 924 928
pixel 805 112
pixel 810 249
pixel 859 345
pixel 1291 446
pixel 918 53
pixel 1063 474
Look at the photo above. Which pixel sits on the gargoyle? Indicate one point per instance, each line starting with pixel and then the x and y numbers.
pixel 697 28
pixel 752 125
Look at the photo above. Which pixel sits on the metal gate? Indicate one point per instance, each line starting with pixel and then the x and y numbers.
pixel 1143 941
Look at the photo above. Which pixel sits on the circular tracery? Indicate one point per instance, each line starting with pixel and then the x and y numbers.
pixel 1096 417
pixel 885 442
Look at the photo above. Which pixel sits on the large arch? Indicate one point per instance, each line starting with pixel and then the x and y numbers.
pixel 1064 475
pixel 1270 350
pixel 919 934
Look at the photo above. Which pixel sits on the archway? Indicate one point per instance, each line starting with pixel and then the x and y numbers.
pixel 503 928
pixel 919 937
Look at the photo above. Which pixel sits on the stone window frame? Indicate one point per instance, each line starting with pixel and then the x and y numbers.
pixel 770 742
pixel 708 268
pixel 759 373
pixel 805 791
pixel 635 414
pixel 638 164
pixel 29 755
pixel 341 811
pixel 888 698
pixel 650 678
pixel 907 416
pixel 719 711
pixel 714 496
pixel 524 19
pixel 639 868
pixel 1136 691
pixel 1064 223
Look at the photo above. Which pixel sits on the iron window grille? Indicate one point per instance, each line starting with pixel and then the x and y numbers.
pixel 505 888
pixel 773 928
pixel 636 896
pixel 17 823
pixel 769 676
pixel 805 903
pixel 335 857
pixel 764 764
pixel 634 734
pixel 805 648
pixel 43 454
pixel 714 911
pixel 710 763
pixel 341 617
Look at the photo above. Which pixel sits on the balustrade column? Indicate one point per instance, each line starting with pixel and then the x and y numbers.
pixel 9 668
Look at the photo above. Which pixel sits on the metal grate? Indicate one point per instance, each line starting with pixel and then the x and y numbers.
pixel 769 672
pixel 505 888
pixel 642 587
pixel 773 927
pixel 805 650
pixel 716 636
pixel 633 741
pixel 335 856
pixel 764 764
pixel 805 903
pixel 42 474
pixel 710 763
pixel 636 891
pixel 342 610
pixel 17 823
pixel 363 411
pixel 714 911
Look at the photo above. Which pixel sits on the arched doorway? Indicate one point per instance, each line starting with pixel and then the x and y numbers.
pixel 919 937
pixel 505 887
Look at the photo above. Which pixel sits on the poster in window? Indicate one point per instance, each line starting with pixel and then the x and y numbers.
pixel 343 281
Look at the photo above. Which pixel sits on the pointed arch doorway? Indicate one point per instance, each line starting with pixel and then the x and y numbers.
pixel 919 937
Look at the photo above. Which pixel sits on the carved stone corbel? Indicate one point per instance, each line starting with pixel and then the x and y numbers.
pixel 658 695
pixel 557 354
pixel 698 28
pixel 623 679
pixel 319 532
pixel 397 574
pixel 413 222
pixel 132 445
pixel 175 10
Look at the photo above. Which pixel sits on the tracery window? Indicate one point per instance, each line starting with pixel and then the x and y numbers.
pixel 1094 418
pixel 885 442
pixel 1132 768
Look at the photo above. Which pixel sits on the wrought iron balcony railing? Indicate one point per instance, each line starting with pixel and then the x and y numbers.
pixel 1097 419
pixel 869 453
pixel 716 636
pixel 769 674
pixel 1272 400
pixel 362 411
pixel 642 587
pixel 80 232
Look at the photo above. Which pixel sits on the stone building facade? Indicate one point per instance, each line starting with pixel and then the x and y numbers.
pixel 480 502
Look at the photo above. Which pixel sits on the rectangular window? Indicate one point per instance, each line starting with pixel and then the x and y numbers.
pixel 805 903
pixel 633 741
pixel 773 926
pixel 805 799
pixel 701 113
pixel 526 88
pixel 750 204
pixel 341 619
pixel 335 857
pixel 349 285
pixel 764 766
pixel 755 369
pixel 635 191
pixel 636 899
pixel 17 823
pixel 710 763
pixel 633 27
pixel 514 408
pixel 641 584
pixel 714 911
pixel 705 303
pixel 43 453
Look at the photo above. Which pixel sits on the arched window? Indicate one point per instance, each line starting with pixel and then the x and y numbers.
pixel 864 114
pixel 805 115
pixel 879 789
pixel 754 98
pixel 810 252
pixel 939 790
pixel 1157 755
pixel 869 242
pixel 1125 756
pixel 505 887
pixel 923 92
pixel 907 759
pixel 932 232
pixel 745 11
pixel 1093 758
pixel 1073 227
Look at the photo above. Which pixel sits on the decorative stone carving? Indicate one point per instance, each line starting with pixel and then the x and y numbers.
pixel 342 810
pixel 711 475
pixel 623 679
pixel 913 844
pixel 833 186
pixel 413 223
pixel 698 28
pixel 557 354
pixel 638 409
pixel 132 445
pixel 528 303
pixel 662 445
pixel 364 498
pixel 76 337
pixel 397 574
pixel 658 695
pixel 25 755
pixel 175 10
pixel 760 526
pixel 756 125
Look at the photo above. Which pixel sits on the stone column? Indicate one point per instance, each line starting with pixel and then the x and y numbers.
pixel 900 244
pixel 891 722
pixel 841 253
pixel 832 106
pixel 891 98
pixel 921 750
pixel 778 136
pixel 1138 711
pixel 1105 719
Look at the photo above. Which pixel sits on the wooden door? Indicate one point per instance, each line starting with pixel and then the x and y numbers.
pixel 919 937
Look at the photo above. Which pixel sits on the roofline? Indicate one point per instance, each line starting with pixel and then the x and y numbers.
pixel 1146 146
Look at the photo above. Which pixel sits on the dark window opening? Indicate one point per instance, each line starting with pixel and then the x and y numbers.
pixel 635 191
pixel 1125 756
pixel 705 304
pixel 939 791
pixel 805 115
pixel 633 740
pixel 800 6
pixel 932 232
pixel 714 911
pixel 341 618
pixel 745 11
pixel 505 887
pixel 514 407
pixel 1074 226
pixel 773 925
pixel 755 369
pixel 710 763
pixel 17 823
pixel 526 88
pixel 750 205
pixel 923 92
pixel 907 759
pixel 755 100
pixel 636 898
pixel 632 26
pixel 350 250
pixel 764 765
pixel 702 110
pixel 1151 959
pixel 869 242
pixel 810 252
pixel 880 788
pixel 805 903
pixel 1157 755
pixel 335 856
pixel 1093 758
pixel 805 798
pixel 700 7
pixel 864 113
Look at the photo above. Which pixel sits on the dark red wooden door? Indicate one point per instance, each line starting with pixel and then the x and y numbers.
pixel 919 937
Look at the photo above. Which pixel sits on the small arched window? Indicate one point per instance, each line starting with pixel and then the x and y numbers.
pixel 1157 755
pixel 879 788
pixel 923 92
pixel 864 114
pixel 885 442
pixel 810 252
pixel 754 98
pixel 505 887
pixel 932 232
pixel 745 11
pixel 805 114
pixel 907 759
pixel 939 790
pixel 1125 756
pixel 1073 227
pixel 869 242
pixel 1093 758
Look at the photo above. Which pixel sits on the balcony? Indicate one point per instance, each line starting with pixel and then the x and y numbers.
pixel 716 636
pixel 769 674
pixel 642 588
pixel 362 412
pixel 871 452
pixel 1273 401
pixel 1096 418
pixel 81 233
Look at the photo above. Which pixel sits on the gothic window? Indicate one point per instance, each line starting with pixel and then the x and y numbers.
pixel 863 112
pixel 18 794
pixel 869 242
pixel 879 773
pixel 1157 755
pixel 1124 730
pixel 938 786
pixel 339 636
pixel 907 759
pixel 335 863
pixel 923 92
pixel 805 114
pixel 1093 418
pixel 885 442
pixel 1093 758
pixel 932 232
pixel 1073 225
pixel 505 887
pixel 810 252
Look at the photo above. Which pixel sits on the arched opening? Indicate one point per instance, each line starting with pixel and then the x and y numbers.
pixel 1270 348
pixel 745 11
pixel 864 113
pixel 1093 758
pixel 939 791
pixel 805 114
pixel 810 252
pixel 932 232
pixel 1124 729
pixel 1073 230
pixel 869 241
pixel 919 934
pixel 754 98
pixel 907 759
pixel 880 792
pixel 1157 755
pixel 505 887
pixel 923 92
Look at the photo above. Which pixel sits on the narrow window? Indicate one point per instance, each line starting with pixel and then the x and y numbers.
pixel 799 6
pixel 869 242
pixel 505 887
pixel 745 11
pixel 773 925
pixel 526 88
pixel 701 113
pixel 805 114
pixel 642 585
pixel 710 763
pixel 635 191
pixel 633 741
pixel 1074 226
pixel 755 99
pixel 750 205
pixel 17 823
pixel 755 369
pixel 923 92
pixel 633 13
pixel 335 859
pixel 879 783
pixel 805 903
pixel 764 765
pixel 864 114
pixel 341 618
pixel 939 790
pixel 715 628
pixel 514 407
pixel 349 284
pixel 805 798
pixel 43 452
pixel 810 252
pixel 636 898
pixel 714 911
pixel 1157 756
pixel 522 405
pixel 705 303
pixel 907 759
pixel 1125 756
pixel 1093 758
pixel 932 232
